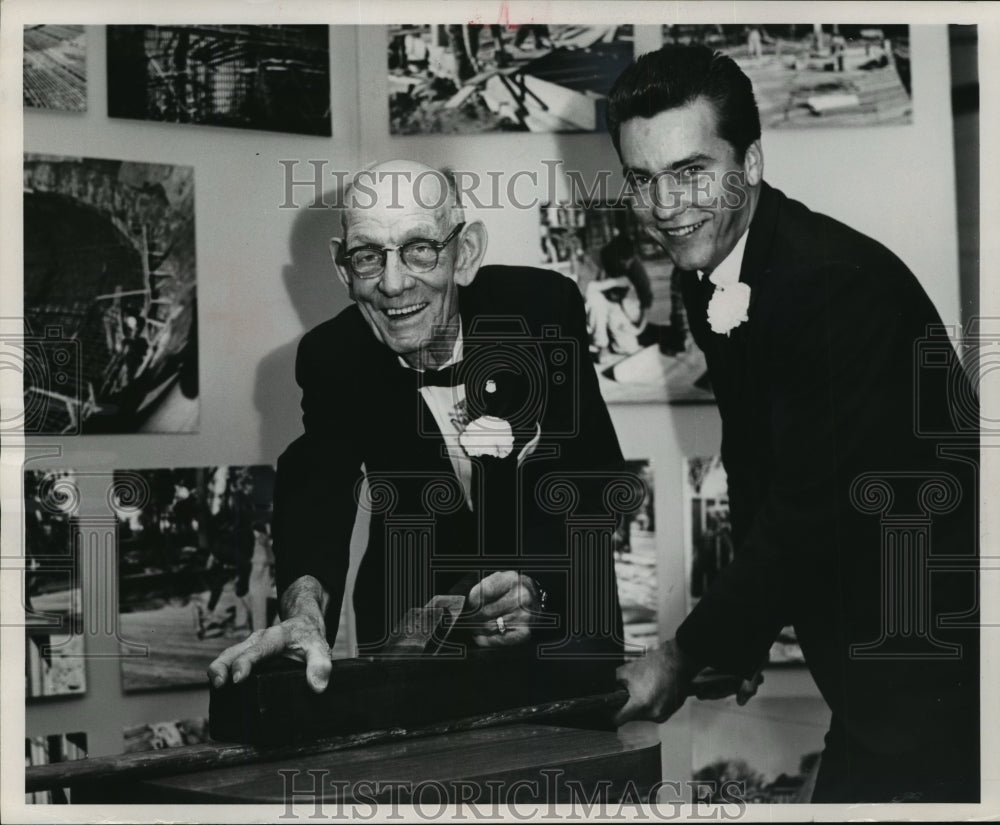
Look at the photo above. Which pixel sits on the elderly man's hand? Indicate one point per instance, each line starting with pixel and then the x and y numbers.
pixel 297 637
pixel 502 605
pixel 301 636
pixel 657 684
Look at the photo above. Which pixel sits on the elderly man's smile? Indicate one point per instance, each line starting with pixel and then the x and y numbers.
pixel 404 312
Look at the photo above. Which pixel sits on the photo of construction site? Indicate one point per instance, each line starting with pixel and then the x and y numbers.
pixel 815 74
pixel 111 342
pixel 274 78
pixel 55 68
pixel 468 79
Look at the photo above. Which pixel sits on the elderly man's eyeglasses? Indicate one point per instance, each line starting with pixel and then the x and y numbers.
pixel 419 255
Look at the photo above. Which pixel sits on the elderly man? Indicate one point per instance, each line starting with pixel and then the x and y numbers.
pixel 437 362
pixel 811 333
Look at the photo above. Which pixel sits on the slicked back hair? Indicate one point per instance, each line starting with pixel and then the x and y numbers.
pixel 674 76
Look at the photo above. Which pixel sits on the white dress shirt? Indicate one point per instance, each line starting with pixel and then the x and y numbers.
pixel 447 405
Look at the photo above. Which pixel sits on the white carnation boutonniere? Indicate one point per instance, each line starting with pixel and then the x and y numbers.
pixel 728 307
pixel 488 436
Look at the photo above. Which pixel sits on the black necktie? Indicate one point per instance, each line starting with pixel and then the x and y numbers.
pixel 707 287
pixel 696 292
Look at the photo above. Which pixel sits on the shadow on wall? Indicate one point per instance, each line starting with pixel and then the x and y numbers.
pixel 317 295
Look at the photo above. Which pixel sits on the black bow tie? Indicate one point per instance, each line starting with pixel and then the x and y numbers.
pixel 444 377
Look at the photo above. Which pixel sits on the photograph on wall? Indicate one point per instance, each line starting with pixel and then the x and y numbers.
pixel 272 78
pixel 154 736
pixel 635 566
pixel 771 747
pixel 46 750
pixel 708 542
pixel 54 663
pixel 55 67
pixel 196 571
pixel 640 343
pixel 475 78
pixel 111 342
pixel 813 74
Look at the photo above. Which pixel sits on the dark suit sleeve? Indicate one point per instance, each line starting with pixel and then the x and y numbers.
pixel 589 457
pixel 597 443
pixel 315 492
pixel 837 362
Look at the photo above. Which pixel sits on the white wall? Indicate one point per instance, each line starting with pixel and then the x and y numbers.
pixel 263 279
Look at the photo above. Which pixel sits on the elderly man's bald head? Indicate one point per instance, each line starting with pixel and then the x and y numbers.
pixel 403 219
pixel 398 185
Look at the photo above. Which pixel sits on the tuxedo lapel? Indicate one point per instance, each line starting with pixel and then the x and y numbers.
pixel 401 430
pixel 696 295
pixel 760 239
pixel 729 356
pixel 757 257
pixel 736 349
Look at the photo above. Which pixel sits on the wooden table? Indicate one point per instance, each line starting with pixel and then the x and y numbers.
pixel 522 764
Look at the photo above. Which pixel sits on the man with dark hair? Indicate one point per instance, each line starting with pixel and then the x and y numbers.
pixel 678 75
pixel 811 332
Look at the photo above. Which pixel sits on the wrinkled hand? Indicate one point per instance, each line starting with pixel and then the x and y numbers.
pixel 507 596
pixel 657 684
pixel 298 637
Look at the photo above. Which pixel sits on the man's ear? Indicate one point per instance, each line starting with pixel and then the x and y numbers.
pixel 335 245
pixel 753 163
pixel 471 249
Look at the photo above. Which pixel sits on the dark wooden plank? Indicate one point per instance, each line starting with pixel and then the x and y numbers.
pixel 393 771
pixel 136 766
pixel 274 705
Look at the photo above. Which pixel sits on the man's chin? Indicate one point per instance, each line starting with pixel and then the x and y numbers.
pixel 688 263
pixel 683 259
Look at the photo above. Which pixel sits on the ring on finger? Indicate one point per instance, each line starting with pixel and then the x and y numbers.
pixel 501 625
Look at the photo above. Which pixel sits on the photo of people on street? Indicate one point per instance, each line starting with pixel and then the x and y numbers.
pixel 640 344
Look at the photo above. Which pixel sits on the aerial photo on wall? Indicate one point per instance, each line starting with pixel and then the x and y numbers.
pixel 55 67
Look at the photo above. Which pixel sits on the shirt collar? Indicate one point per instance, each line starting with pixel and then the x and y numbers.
pixel 728 270
pixel 456 353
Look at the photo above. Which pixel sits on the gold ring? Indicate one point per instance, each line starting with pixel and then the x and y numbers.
pixel 501 625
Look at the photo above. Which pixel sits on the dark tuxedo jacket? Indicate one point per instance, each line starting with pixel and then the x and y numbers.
pixel 833 423
pixel 363 413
